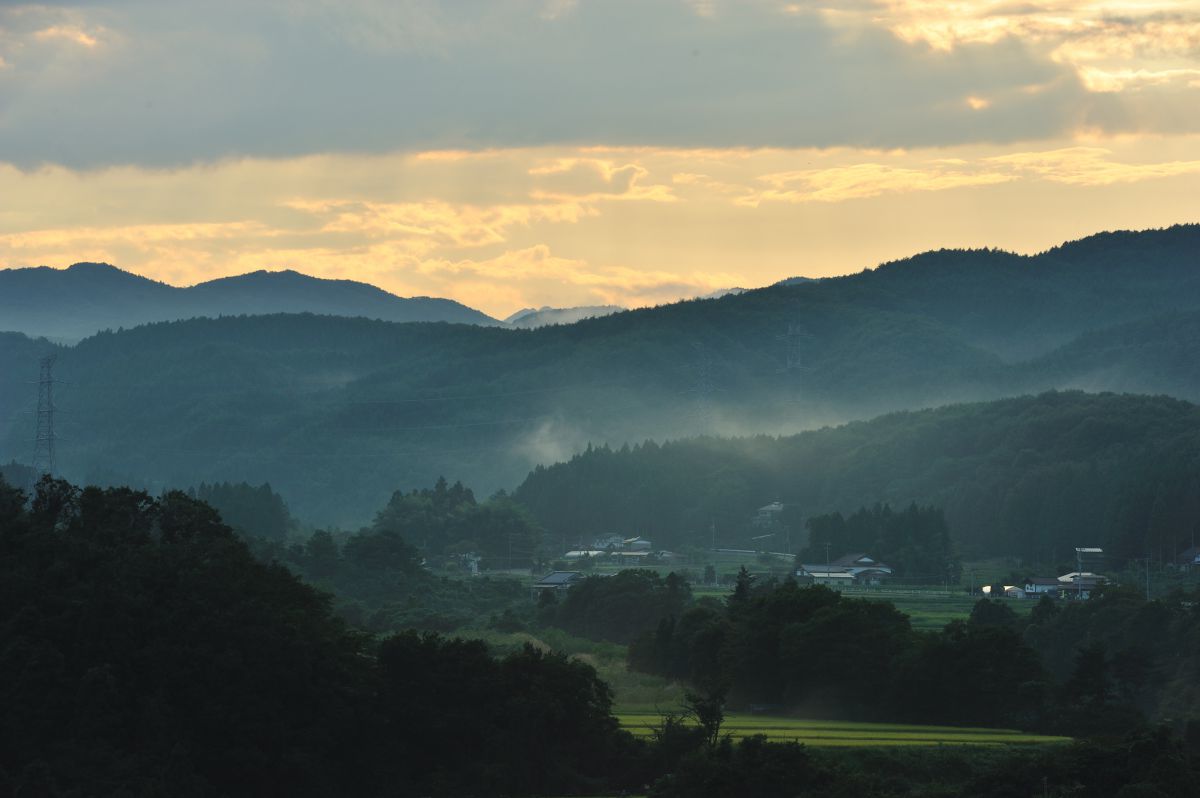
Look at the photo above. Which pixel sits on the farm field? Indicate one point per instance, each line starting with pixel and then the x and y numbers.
pixel 847 734
pixel 931 610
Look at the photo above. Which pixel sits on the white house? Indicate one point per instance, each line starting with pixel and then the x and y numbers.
pixel 579 554
pixel 608 542
pixel 1043 586
pixel 831 575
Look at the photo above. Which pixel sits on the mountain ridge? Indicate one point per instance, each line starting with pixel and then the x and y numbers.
pixel 86 298
pixel 338 412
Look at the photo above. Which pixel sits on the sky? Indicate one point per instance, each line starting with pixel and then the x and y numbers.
pixel 520 153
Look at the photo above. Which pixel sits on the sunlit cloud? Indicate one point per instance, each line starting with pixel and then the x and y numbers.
pixel 143 234
pixel 1090 35
pixel 597 179
pixel 433 223
pixel 67 33
pixel 566 226
pixel 1090 166
pixel 1102 80
pixel 857 181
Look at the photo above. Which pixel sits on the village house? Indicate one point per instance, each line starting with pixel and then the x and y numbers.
pixel 1043 586
pixel 557 582
pixel 631 557
pixel 768 515
pixel 866 570
pixel 579 554
pixel 857 569
pixel 1189 559
pixel 1080 584
pixel 830 576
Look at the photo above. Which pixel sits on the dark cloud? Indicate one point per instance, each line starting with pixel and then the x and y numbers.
pixel 172 83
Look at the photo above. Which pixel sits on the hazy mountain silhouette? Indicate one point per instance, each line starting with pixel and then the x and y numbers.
pixel 531 318
pixel 337 412
pixel 73 303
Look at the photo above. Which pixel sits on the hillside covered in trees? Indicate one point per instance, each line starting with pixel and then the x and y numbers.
pixel 1030 477
pixel 144 651
pixel 337 412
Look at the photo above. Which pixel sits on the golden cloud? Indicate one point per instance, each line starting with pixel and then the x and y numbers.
pixel 1098 38
pixel 543 226
pixel 596 179
pixel 435 223
pixel 142 234
pixel 1090 166
pixel 68 33
pixel 858 181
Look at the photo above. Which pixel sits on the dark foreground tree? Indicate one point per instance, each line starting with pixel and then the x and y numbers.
pixel 144 651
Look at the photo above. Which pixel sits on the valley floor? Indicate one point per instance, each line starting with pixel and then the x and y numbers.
pixel 825 733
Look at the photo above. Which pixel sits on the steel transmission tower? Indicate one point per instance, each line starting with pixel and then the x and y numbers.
pixel 43 452
pixel 795 341
pixel 702 390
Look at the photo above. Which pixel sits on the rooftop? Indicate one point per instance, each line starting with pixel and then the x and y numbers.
pixel 560 577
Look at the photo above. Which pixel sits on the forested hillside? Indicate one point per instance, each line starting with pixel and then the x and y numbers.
pixel 336 413
pixel 1030 477
pixel 144 651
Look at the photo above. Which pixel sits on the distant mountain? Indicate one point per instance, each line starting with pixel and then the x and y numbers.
pixel 336 413
pixel 73 303
pixel 720 292
pixel 531 318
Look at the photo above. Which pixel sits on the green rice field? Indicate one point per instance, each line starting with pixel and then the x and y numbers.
pixel 846 734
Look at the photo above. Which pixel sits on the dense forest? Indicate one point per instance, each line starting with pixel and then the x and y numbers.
pixel 338 412
pixel 915 542
pixel 144 650
pixel 1031 477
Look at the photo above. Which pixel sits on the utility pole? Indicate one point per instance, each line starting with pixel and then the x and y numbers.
pixel 43 451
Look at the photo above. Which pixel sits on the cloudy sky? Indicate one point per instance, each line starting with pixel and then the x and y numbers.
pixel 509 153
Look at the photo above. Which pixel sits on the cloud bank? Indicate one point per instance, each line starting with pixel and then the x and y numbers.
pixel 165 84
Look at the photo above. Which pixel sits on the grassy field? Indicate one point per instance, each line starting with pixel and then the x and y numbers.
pixel 933 610
pixel 845 734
